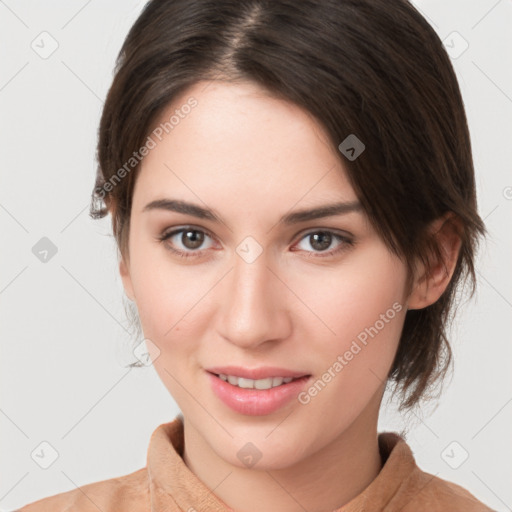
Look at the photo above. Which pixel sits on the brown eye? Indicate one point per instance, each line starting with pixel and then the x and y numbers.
pixel 321 242
pixel 186 242
pixel 192 238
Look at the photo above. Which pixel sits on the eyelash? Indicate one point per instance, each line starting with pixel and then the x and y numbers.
pixel 346 242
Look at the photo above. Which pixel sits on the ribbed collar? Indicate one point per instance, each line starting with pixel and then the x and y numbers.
pixel 174 488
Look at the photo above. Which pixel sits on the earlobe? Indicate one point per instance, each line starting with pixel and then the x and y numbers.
pixel 126 278
pixel 430 282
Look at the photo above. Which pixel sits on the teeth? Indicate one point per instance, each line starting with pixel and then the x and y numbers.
pixel 241 382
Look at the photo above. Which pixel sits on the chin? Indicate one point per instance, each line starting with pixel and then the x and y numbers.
pixel 261 451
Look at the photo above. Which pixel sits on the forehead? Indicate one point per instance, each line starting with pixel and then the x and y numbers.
pixel 238 146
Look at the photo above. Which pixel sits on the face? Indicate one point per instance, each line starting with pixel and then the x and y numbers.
pixel 252 286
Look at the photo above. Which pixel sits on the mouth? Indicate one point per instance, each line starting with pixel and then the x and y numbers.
pixel 261 384
pixel 256 392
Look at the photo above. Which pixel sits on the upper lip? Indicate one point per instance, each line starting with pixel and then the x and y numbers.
pixel 262 372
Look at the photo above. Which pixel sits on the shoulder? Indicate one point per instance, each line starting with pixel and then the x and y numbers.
pixel 407 488
pixel 110 495
pixel 429 492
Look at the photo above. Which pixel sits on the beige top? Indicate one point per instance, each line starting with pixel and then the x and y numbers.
pixel 167 484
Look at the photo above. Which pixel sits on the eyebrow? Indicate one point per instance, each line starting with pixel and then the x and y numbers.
pixel 296 217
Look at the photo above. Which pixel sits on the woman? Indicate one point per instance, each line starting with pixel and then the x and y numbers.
pixel 292 194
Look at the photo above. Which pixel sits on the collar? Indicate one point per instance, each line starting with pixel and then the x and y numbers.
pixel 174 488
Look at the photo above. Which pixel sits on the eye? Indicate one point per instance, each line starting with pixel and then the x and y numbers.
pixel 188 242
pixel 322 240
pixel 185 241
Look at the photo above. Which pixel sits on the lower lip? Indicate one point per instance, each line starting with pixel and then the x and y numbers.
pixel 256 402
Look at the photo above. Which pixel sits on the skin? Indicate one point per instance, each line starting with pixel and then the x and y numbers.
pixel 252 158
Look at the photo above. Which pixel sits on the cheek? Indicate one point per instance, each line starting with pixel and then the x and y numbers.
pixel 365 310
pixel 362 304
pixel 165 292
pixel 354 295
pixel 169 305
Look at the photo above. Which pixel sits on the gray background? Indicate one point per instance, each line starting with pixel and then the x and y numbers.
pixel 64 338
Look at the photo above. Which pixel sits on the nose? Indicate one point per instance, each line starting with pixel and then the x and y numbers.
pixel 253 304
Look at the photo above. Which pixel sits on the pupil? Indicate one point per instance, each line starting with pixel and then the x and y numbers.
pixel 193 239
pixel 324 238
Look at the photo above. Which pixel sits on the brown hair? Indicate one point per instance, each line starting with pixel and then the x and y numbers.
pixel 373 68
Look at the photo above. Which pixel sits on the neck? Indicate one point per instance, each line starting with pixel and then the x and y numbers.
pixel 324 481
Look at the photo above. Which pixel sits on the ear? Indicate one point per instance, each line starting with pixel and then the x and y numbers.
pixel 430 282
pixel 126 278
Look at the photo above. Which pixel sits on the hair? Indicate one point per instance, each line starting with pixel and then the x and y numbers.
pixel 372 68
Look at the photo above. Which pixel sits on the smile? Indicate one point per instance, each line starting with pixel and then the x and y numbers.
pixel 268 383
